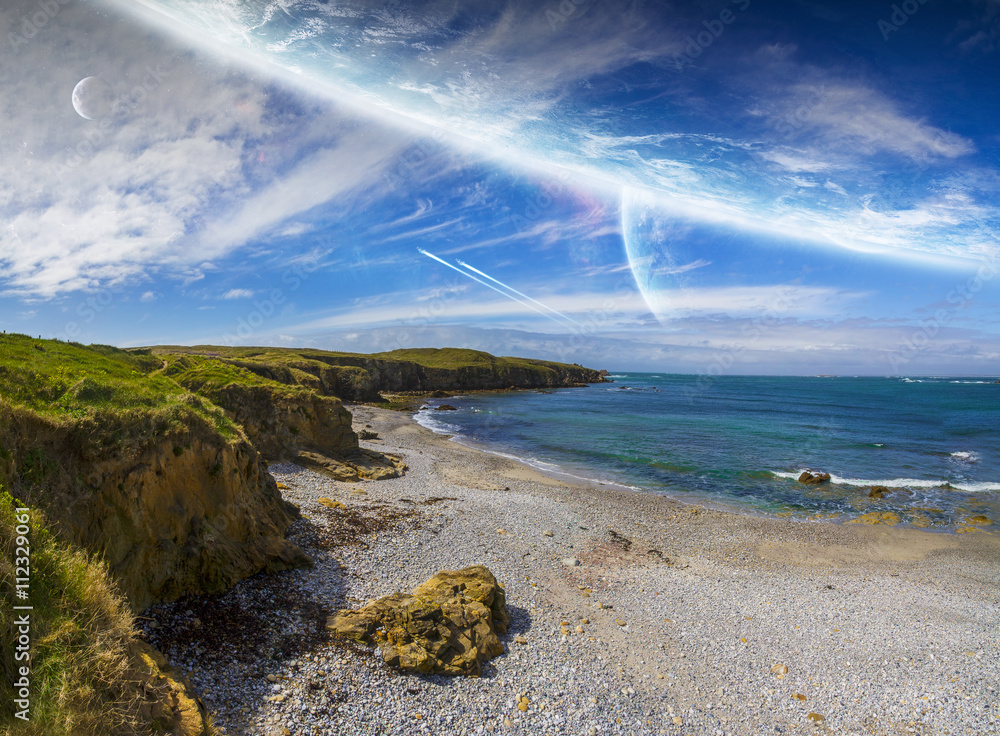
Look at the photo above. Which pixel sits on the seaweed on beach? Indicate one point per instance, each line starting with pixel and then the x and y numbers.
pixel 351 525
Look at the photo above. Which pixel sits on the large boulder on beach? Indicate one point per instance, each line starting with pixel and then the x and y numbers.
pixel 814 479
pixel 363 464
pixel 448 625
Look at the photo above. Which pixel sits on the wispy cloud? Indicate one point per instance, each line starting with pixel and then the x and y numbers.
pixel 238 294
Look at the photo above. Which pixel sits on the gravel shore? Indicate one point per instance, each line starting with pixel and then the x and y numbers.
pixel 641 615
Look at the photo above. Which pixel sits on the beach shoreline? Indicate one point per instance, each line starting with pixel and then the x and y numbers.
pixel 641 614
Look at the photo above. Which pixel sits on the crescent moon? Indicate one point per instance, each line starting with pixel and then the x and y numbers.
pixel 93 98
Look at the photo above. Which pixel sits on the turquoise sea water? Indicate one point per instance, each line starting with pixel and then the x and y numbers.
pixel 743 441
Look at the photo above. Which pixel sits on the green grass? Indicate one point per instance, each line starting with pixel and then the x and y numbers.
pixel 203 375
pixel 455 358
pixel 82 679
pixel 449 358
pixel 356 376
pixel 117 395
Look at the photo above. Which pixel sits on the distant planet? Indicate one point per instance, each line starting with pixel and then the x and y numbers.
pixel 682 264
pixel 668 254
pixel 93 98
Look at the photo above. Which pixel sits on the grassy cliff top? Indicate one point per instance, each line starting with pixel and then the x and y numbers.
pixel 69 381
pixel 447 358
pixel 127 394
pixel 361 377
pixel 204 375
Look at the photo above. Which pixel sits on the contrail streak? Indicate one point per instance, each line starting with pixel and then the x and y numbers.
pixel 511 288
pixel 490 286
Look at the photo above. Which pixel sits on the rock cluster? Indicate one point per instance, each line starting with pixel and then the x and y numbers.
pixel 814 479
pixel 447 625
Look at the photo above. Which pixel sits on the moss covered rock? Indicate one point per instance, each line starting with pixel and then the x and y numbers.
pixel 448 625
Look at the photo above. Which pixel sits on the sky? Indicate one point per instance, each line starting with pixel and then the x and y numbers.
pixel 718 187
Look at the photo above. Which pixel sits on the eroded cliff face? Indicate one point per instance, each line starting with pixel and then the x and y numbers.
pixel 304 427
pixel 355 378
pixel 280 425
pixel 186 512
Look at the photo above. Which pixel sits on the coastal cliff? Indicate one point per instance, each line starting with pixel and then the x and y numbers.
pixel 155 459
pixel 284 422
pixel 188 511
pixel 148 471
pixel 358 377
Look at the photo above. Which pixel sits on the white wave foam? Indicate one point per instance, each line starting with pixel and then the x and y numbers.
pixel 985 487
pixel 969 457
pixel 426 418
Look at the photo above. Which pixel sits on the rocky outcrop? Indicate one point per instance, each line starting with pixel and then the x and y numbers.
pixel 889 518
pixel 168 702
pixel 814 479
pixel 878 492
pixel 448 625
pixel 173 506
pixel 360 465
pixel 281 422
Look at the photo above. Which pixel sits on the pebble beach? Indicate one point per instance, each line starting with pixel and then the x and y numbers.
pixel 630 613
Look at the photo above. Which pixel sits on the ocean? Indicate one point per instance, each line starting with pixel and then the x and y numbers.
pixel 741 442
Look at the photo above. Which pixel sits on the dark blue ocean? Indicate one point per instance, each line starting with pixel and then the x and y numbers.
pixel 743 441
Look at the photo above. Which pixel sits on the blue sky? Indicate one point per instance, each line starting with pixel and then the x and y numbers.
pixel 738 187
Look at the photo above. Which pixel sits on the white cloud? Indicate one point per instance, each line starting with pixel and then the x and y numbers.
pixel 796 161
pixel 294 229
pixel 168 184
pixel 835 187
pixel 238 294
pixel 358 159
pixel 683 268
pixel 857 116
pixel 148 296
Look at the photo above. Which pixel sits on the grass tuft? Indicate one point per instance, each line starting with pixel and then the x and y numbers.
pixel 82 679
